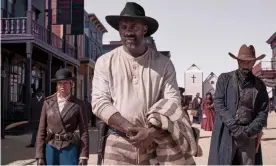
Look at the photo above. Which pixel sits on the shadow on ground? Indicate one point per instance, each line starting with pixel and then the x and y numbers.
pixel 268 139
pixel 273 128
pixel 13 149
pixel 204 137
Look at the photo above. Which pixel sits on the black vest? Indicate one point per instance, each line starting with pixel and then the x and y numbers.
pixel 245 111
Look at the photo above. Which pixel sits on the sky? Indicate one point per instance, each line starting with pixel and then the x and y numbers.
pixel 200 32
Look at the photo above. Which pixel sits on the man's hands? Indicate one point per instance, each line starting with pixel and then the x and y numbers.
pixel 120 123
pixel 141 137
pixel 240 133
pixel 83 162
pixel 40 162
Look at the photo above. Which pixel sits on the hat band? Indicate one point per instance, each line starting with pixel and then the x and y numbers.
pixel 129 15
pixel 63 78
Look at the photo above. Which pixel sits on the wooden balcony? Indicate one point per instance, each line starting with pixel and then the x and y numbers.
pixel 14 30
pixel 265 69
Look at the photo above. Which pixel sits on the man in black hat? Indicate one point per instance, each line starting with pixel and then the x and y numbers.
pixel 127 82
pixel 241 108
pixel 184 102
pixel 36 106
pixel 62 137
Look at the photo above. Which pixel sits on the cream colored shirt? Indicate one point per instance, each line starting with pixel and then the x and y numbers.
pixel 131 85
pixel 62 101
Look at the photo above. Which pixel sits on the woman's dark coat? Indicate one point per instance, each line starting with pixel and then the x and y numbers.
pixel 226 100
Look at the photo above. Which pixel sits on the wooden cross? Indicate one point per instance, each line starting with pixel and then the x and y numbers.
pixel 193 77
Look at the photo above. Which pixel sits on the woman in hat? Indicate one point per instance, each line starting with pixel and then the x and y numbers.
pixel 62 137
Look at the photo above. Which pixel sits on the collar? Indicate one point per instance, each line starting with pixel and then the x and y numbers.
pixel 125 53
pixel 39 98
pixel 62 99
pixel 243 79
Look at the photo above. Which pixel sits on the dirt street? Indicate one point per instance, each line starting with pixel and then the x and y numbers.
pixel 14 151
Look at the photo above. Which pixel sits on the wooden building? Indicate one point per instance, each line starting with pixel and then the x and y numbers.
pixel 267 69
pixel 30 56
pixel 93 49
pixel 89 49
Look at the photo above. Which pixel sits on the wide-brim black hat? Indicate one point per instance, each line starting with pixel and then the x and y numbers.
pixel 63 74
pixel 39 91
pixel 133 10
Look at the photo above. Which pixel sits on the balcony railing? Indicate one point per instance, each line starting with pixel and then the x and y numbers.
pixel 264 66
pixel 13 25
pixel 16 26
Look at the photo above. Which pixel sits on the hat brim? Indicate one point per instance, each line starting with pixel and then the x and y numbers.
pixel 56 80
pixel 113 20
pixel 247 59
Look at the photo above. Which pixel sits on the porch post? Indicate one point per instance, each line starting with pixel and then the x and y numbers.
pixel 5 80
pixel 29 17
pixel 49 26
pixel 76 79
pixel 28 79
pixel 49 76
pixel 86 83
pixel 64 38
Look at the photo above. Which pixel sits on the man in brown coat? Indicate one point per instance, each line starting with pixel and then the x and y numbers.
pixel 62 137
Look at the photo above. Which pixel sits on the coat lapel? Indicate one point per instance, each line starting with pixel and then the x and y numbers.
pixel 56 109
pixel 234 83
pixel 255 91
pixel 67 107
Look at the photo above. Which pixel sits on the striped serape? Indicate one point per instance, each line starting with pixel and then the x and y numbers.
pixel 177 144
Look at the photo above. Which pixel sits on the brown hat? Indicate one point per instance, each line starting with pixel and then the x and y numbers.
pixel 247 54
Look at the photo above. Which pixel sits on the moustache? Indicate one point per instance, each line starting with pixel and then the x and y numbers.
pixel 130 36
pixel 245 70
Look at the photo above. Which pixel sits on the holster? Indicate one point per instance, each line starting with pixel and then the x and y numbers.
pixel 49 135
pixel 74 138
pixel 103 130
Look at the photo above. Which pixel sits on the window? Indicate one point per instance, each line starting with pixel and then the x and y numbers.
pixel 34 15
pixel 3 11
pixel 94 35
pixel 7 8
pixel 274 50
pixel 91 34
pixel 17 80
pixel 212 82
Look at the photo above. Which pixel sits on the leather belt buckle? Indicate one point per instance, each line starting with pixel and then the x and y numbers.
pixel 57 137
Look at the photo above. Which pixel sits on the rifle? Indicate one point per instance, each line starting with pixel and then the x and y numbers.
pixel 103 130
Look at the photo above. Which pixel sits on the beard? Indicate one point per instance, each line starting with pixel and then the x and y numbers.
pixel 131 41
pixel 245 71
